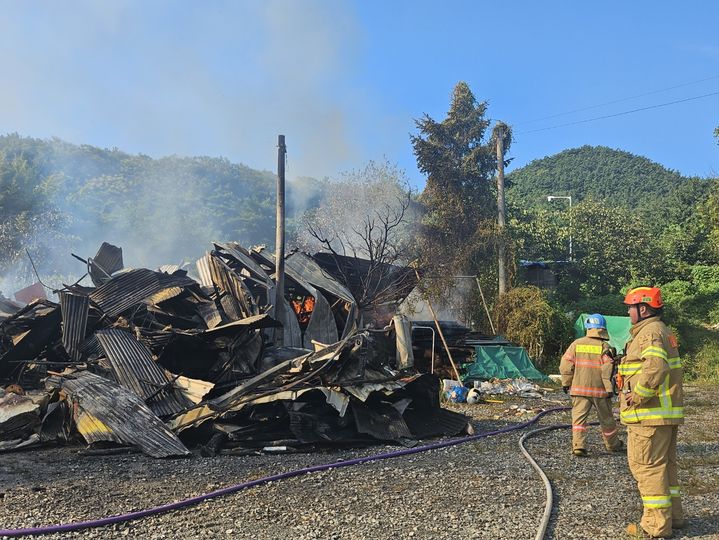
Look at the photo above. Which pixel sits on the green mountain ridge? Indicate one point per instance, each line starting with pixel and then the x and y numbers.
pixel 606 174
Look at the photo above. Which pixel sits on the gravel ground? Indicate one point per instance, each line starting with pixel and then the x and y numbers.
pixel 483 489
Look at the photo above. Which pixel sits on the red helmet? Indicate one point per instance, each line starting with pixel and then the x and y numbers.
pixel 651 296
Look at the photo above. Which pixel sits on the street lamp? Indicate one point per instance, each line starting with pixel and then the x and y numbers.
pixel 550 198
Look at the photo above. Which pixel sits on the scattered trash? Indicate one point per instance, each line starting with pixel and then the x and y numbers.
pixel 515 387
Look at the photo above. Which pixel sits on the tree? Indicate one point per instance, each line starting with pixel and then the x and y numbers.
pixel 29 219
pixel 459 230
pixel 612 247
pixel 365 223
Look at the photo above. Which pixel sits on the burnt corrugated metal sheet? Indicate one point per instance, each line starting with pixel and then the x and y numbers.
pixel 155 340
pixel 210 314
pixel 163 295
pixel 425 422
pixel 105 411
pixel 74 309
pixel 313 273
pixel 358 275
pixel 178 279
pixel 382 421
pixel 134 369
pixel 322 326
pixel 203 268
pixel 243 257
pixel 8 307
pixel 236 299
pixel 90 347
pixel 30 329
pixel 107 261
pixel 168 268
pixel 125 290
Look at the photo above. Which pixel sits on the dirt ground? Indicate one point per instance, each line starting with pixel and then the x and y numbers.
pixel 482 489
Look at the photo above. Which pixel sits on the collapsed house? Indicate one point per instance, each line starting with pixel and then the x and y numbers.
pixel 161 361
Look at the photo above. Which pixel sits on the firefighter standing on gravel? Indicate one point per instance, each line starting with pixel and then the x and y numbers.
pixel 586 370
pixel 652 407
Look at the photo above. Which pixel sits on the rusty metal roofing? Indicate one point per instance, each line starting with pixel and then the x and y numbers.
pixel 105 411
pixel 74 309
pixel 125 290
pixel 134 368
pixel 36 291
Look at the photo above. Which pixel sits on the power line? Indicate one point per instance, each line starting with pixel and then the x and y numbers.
pixel 621 113
pixel 620 100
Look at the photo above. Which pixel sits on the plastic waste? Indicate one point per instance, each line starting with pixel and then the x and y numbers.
pixel 457 394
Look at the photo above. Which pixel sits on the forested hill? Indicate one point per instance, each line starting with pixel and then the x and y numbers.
pixel 65 196
pixel 603 173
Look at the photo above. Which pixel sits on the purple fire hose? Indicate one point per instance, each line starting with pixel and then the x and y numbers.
pixel 120 518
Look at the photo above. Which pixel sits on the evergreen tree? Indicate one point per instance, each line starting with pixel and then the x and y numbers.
pixel 459 159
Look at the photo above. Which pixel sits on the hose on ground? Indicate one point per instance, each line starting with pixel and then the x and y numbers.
pixel 130 516
pixel 542 530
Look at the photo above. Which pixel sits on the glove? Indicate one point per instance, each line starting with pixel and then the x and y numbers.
pixel 611 394
pixel 565 389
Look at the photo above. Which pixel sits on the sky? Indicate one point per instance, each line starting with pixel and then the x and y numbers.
pixel 345 80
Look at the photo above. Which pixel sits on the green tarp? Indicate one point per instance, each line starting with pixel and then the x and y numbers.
pixel 618 328
pixel 501 362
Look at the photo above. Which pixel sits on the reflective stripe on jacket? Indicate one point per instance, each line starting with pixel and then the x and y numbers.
pixel 653 373
pixel 587 368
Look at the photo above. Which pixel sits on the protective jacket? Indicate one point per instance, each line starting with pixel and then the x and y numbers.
pixel 587 367
pixel 652 373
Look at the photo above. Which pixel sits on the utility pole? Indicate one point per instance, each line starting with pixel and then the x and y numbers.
pixel 280 241
pixel 499 133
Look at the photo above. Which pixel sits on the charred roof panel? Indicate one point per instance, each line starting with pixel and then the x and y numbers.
pixel 107 261
pixel 134 369
pixel 314 274
pixel 74 309
pixel 112 413
pixel 125 290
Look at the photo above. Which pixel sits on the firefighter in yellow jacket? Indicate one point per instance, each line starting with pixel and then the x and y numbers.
pixel 586 370
pixel 652 407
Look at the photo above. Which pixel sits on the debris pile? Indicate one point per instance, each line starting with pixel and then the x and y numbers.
pixel 161 361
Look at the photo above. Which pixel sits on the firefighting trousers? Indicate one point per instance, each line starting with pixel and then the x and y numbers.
pixel 581 407
pixel 652 456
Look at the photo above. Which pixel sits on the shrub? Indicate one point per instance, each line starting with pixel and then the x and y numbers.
pixel 526 317
pixel 705 278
